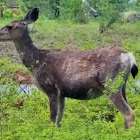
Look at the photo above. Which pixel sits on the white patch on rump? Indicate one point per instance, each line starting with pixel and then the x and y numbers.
pixel 128 58
pixel 132 58
pixel 124 58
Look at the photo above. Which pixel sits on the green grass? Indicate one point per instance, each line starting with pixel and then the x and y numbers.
pixel 58 34
pixel 83 120
pixel 54 34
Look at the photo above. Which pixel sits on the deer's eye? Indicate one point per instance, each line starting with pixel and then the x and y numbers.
pixel 9 27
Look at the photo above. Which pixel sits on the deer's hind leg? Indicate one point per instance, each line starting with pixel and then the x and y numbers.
pixel 120 103
pixel 124 91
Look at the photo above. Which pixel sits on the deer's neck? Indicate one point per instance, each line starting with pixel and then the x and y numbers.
pixel 28 52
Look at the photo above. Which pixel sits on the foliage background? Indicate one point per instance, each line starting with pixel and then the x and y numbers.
pixel 83 120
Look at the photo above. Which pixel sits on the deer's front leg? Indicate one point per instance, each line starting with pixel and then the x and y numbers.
pixel 120 103
pixel 53 107
pixel 60 108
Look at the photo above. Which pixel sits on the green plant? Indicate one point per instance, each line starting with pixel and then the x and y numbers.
pixel 113 85
pixel 8 70
pixel 83 120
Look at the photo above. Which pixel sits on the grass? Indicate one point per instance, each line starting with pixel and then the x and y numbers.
pixel 83 120
pixel 58 34
pixel 54 34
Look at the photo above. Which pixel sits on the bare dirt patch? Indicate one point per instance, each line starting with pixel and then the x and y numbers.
pixel 8 50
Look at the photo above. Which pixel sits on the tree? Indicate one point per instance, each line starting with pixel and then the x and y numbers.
pixel 137 3
pixel 56 8
pixel 1 8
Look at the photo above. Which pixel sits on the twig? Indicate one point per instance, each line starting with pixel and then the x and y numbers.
pixel 23 91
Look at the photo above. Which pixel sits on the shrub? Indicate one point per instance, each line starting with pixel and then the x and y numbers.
pixel 69 10
pixel 11 13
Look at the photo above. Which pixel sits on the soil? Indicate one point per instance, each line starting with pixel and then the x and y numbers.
pixel 8 50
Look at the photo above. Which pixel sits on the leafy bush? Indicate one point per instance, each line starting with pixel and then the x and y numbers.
pixel 73 10
pixel 8 13
pixel 69 10
pixel 45 7
pixel 94 119
pixel 8 70
pixel 11 13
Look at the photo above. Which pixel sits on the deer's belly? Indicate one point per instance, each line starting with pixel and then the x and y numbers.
pixel 82 94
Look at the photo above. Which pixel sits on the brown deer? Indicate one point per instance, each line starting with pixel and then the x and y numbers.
pixel 73 74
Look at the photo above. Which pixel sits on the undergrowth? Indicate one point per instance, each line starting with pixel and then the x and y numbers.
pixel 83 120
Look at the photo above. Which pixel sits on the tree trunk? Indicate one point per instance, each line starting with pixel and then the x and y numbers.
pixel 57 11
pixel 1 11
pixel 1 8
pixel 56 8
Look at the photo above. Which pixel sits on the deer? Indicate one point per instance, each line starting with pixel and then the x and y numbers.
pixel 75 74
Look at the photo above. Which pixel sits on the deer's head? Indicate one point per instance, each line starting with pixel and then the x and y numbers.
pixel 17 29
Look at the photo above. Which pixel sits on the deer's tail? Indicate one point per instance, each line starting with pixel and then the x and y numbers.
pixel 134 68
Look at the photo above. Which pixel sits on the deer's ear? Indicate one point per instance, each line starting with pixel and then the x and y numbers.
pixel 31 16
